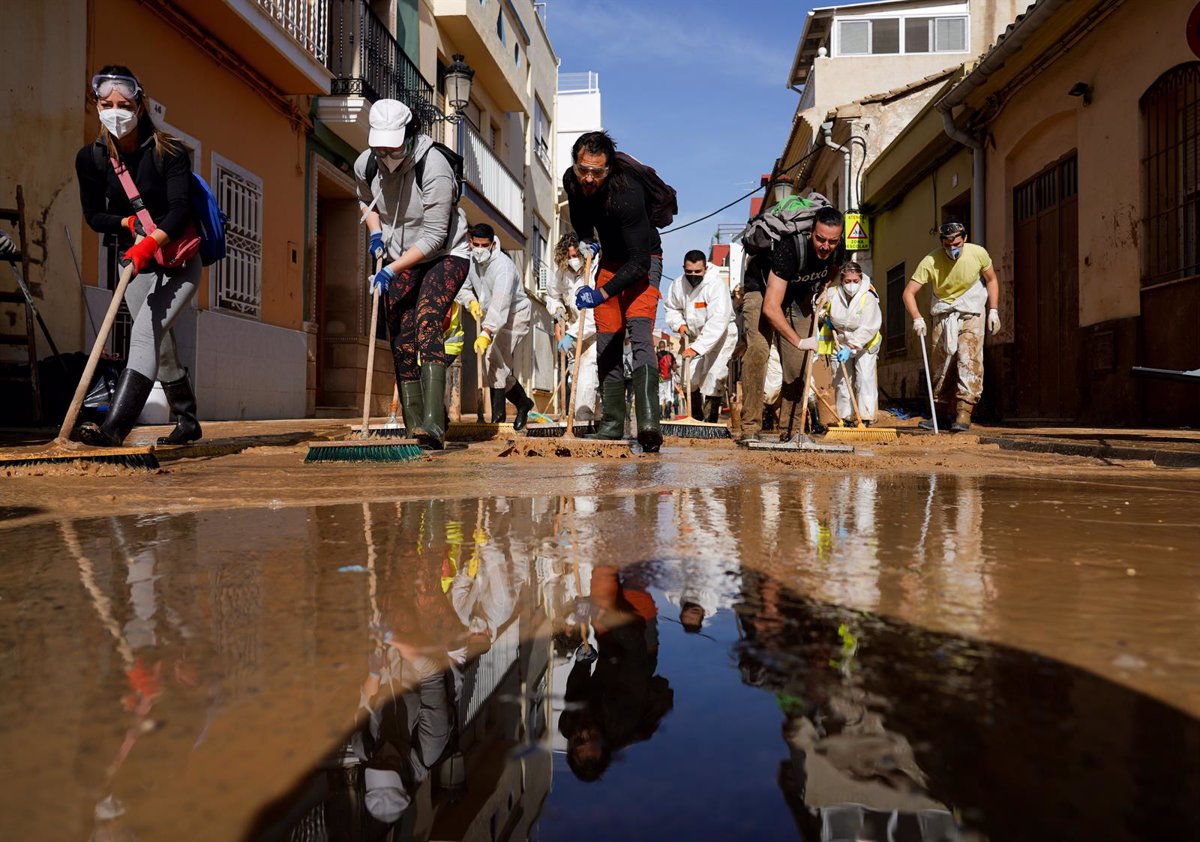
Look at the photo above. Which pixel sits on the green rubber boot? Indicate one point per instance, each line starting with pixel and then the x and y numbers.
pixel 431 433
pixel 645 402
pixel 412 405
pixel 612 400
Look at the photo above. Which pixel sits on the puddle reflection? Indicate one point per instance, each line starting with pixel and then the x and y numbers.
pixel 517 668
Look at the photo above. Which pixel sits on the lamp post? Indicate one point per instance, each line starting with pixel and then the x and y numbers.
pixel 458 78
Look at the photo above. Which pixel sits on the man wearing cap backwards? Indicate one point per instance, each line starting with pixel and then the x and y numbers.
pixel 408 192
pixel 496 297
pixel 962 280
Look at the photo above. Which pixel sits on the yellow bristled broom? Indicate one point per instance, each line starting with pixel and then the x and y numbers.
pixel 861 432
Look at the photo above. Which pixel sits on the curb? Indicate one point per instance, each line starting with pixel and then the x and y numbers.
pixel 1162 458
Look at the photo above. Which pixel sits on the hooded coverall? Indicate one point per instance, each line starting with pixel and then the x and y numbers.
pixel 506 315
pixel 856 322
pixel 707 311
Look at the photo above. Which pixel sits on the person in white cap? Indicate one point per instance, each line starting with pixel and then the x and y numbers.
pixel 408 190
pixel 698 308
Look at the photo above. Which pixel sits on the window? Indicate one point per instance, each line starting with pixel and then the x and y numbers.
pixel 894 341
pixel 539 249
pixel 500 25
pixel 541 134
pixel 1171 177
pixel 239 275
pixel 517 54
pixel 893 36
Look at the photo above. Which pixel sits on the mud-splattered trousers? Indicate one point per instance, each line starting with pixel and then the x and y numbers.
pixel 966 358
pixel 417 304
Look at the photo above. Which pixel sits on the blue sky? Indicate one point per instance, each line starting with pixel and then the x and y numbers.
pixel 695 88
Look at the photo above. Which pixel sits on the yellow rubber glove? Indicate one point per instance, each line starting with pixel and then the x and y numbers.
pixel 482 343
pixel 476 309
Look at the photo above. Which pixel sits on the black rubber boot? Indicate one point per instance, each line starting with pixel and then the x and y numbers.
pixel 499 406
pixel 645 403
pixel 431 433
pixel 612 402
pixel 696 406
pixel 183 404
pixel 128 399
pixel 522 402
pixel 412 405
pixel 712 409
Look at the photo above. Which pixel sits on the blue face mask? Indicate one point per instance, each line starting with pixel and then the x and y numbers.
pixel 954 253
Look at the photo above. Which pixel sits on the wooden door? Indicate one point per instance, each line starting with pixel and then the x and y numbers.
pixel 1046 229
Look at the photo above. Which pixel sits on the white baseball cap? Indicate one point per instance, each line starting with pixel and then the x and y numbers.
pixel 385 797
pixel 389 117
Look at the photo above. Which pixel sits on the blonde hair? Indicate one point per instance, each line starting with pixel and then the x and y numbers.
pixel 164 143
pixel 561 251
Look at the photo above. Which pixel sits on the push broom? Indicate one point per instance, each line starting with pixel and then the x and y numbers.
pixel 690 428
pixel 554 429
pixel 861 432
pixel 63 451
pixel 392 428
pixel 361 448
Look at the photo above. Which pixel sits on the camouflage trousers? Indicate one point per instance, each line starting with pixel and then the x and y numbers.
pixel 967 362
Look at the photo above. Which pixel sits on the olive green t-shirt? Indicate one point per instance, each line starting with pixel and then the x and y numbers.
pixel 951 278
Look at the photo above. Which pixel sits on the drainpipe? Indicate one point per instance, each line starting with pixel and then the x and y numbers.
pixel 1014 39
pixel 847 196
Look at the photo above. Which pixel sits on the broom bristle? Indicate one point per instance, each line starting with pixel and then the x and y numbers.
pixel 879 434
pixel 139 458
pixel 553 430
pixel 363 451
pixel 474 431
pixel 693 429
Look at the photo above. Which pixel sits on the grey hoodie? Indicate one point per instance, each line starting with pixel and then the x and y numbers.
pixel 411 214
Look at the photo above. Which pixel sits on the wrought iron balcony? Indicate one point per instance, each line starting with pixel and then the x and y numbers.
pixel 367 61
pixel 305 21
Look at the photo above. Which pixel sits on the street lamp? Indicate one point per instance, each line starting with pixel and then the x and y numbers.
pixel 458 87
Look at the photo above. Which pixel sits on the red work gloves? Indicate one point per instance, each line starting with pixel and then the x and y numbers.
pixel 141 253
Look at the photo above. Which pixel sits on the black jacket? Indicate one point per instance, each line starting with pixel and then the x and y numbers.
pixel 615 216
pixel 165 186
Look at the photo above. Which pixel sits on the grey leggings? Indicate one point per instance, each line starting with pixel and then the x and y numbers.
pixel 155 301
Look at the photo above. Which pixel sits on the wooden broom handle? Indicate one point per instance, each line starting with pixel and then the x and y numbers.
pixel 479 372
pixel 89 370
pixel 366 413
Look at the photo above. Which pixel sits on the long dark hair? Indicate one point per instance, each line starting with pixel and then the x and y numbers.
pixel 164 143
pixel 596 143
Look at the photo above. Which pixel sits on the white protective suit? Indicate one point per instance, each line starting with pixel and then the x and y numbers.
pixel 506 314
pixel 712 333
pixel 856 322
pixel 560 303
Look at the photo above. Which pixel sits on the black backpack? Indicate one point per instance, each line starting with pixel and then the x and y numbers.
pixel 456 164
pixel 661 199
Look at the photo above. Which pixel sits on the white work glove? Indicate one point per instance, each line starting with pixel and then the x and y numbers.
pixel 919 327
pixel 993 322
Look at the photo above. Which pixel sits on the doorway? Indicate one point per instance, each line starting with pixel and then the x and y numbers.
pixel 1046 265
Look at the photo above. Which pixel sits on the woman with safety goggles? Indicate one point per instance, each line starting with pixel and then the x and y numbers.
pixel 135 184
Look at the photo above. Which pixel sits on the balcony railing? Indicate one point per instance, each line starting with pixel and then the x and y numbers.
pixel 306 21
pixel 587 82
pixel 485 172
pixel 366 60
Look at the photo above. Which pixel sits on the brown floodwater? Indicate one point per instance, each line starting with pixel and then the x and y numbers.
pixel 837 657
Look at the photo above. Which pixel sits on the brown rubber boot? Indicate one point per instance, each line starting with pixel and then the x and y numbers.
pixel 962 421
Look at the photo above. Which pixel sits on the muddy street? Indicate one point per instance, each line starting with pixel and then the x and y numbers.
pixel 249 649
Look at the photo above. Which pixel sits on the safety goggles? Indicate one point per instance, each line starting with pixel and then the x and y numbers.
pixel 104 84
pixel 590 172
pixel 951 230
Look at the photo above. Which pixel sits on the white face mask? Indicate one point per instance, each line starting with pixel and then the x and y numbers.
pixel 118 121
pixel 392 164
pixel 575 263
pixel 852 289
pixel 481 255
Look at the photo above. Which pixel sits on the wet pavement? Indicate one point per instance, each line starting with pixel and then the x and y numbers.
pixel 835 657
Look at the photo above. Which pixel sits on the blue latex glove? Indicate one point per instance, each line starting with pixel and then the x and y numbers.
pixel 588 245
pixel 587 298
pixel 843 355
pixel 566 343
pixel 375 247
pixel 383 280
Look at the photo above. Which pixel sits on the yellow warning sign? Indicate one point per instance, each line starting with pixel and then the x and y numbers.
pixel 857 238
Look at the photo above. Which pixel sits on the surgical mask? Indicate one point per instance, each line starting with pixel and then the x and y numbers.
pixel 953 253
pixel 118 121
pixel 392 164
pixel 575 263
pixel 852 289
pixel 481 255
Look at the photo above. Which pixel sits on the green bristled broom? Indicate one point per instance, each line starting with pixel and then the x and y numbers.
pixel 361 447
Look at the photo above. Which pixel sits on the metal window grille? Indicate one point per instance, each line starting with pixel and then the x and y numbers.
pixel 896 280
pixel 1171 173
pixel 239 275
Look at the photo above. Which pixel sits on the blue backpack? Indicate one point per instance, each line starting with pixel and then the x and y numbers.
pixel 207 215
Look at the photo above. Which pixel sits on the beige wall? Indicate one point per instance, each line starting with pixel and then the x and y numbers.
pixel 43 127
pixel 1041 123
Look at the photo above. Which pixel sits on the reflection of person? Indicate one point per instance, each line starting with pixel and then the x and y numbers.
pixel 622 702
